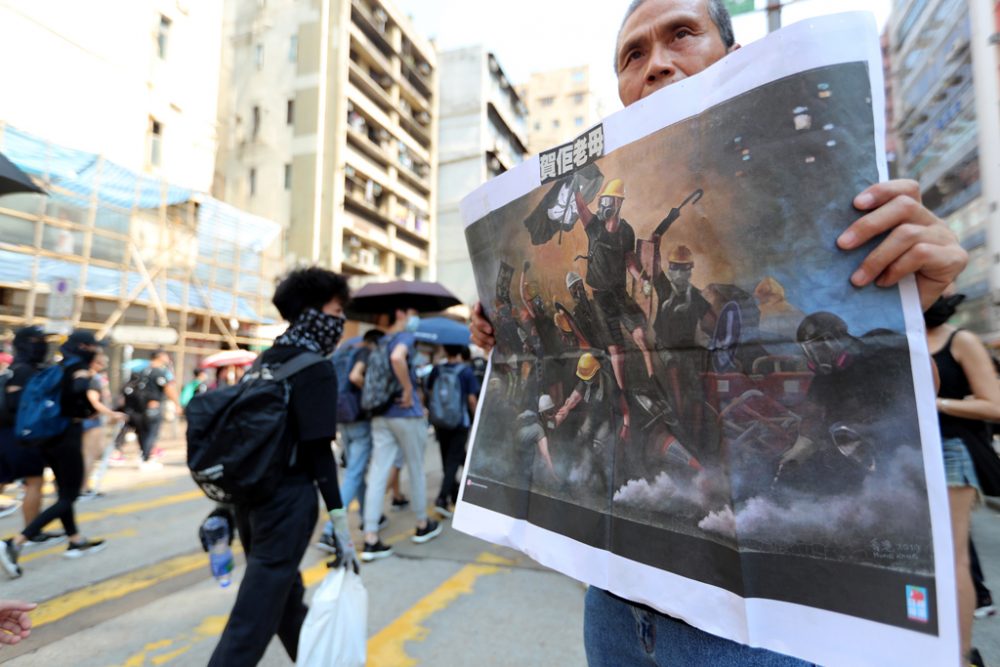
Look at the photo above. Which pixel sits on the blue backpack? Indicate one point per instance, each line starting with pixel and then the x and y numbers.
pixel 39 415
pixel 446 407
pixel 348 396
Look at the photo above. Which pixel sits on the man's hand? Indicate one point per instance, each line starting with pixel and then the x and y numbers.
pixel 346 555
pixel 918 242
pixel 119 417
pixel 482 332
pixel 15 624
pixel 406 400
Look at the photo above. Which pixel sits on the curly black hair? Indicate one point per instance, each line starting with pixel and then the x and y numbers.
pixel 310 287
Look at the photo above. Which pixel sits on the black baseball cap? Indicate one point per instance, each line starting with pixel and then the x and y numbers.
pixel 84 337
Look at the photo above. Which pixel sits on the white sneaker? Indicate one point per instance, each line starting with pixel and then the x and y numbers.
pixel 150 466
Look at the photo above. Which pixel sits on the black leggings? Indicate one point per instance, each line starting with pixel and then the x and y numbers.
pixel 65 457
pixel 452 443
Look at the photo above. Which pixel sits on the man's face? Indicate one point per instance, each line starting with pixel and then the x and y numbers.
pixel 334 307
pixel 608 207
pixel 663 42
pixel 577 291
pixel 680 274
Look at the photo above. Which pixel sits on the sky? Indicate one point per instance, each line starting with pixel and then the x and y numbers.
pixel 537 35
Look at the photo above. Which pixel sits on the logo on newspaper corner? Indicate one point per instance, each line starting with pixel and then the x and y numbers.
pixel 563 160
pixel 916 604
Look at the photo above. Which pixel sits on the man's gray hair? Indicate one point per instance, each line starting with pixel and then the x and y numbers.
pixel 717 11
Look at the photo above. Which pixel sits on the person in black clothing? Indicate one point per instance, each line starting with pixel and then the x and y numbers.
pixel 276 531
pixel 159 385
pixel 452 441
pixel 969 397
pixel 17 462
pixel 64 454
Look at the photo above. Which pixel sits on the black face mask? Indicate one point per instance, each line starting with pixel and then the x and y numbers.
pixel 942 310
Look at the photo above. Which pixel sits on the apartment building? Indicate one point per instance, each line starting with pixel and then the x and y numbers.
pixel 328 125
pixel 561 104
pixel 481 134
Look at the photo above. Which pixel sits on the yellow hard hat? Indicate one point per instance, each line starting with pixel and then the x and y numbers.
pixel 562 322
pixel 587 367
pixel 681 255
pixel 614 188
pixel 769 288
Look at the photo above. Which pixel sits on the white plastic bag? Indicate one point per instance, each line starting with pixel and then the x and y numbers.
pixel 335 632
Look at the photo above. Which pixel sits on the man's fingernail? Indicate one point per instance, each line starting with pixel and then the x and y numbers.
pixel 847 239
pixel 860 277
pixel 864 200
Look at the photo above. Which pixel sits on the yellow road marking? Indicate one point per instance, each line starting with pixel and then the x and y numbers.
pixel 62 606
pixel 130 508
pixel 35 555
pixel 388 647
pixel 209 627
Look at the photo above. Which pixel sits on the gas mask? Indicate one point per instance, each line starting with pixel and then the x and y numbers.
pixel 608 208
pixel 680 275
pixel 578 292
pixel 825 354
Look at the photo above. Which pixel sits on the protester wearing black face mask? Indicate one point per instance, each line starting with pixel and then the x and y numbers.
pixel 969 397
pixel 276 532
pixel 17 462
pixel 64 455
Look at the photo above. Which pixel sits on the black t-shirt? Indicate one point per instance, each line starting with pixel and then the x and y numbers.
pixel 75 403
pixel 606 269
pixel 21 373
pixel 157 379
pixel 675 327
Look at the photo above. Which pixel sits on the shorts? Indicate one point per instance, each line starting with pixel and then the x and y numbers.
pixel 958 467
pixel 18 461
pixel 618 310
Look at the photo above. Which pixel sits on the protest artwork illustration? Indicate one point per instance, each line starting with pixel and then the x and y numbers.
pixel 684 375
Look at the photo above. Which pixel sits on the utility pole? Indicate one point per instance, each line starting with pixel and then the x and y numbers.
pixel 986 80
pixel 774 15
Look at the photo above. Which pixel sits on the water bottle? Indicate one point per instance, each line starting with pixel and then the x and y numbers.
pixel 220 556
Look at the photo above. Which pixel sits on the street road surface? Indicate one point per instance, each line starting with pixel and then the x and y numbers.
pixel 149 599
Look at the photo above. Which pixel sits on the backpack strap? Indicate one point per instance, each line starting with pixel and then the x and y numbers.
pixel 297 365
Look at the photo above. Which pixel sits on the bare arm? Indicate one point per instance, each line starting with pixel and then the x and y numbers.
pixel 543 449
pixel 357 375
pixel 571 402
pixel 975 361
pixel 94 396
pixel 586 217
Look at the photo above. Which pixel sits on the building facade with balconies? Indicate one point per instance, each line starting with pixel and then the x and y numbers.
pixel 481 134
pixel 561 105
pixel 328 113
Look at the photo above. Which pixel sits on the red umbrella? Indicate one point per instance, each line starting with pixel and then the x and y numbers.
pixel 379 298
pixel 229 358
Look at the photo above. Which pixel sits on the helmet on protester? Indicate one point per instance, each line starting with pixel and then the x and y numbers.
pixel 614 188
pixel 572 278
pixel 545 403
pixel 587 367
pixel 680 255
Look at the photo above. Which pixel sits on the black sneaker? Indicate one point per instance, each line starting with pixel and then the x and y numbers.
pixel 44 538
pixel 326 543
pixel 976 660
pixel 375 551
pixel 81 549
pixel 400 503
pixel 443 509
pixel 8 559
pixel 428 532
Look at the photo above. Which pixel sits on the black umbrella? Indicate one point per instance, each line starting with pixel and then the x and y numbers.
pixel 379 298
pixel 14 180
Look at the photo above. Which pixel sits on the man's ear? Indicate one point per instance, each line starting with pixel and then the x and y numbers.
pixel 732 48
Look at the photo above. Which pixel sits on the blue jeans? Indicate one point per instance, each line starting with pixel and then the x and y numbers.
pixel 357 437
pixel 617 633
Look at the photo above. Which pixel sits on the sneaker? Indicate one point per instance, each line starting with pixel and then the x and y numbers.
pixel 117 458
pixel 400 503
pixel 375 551
pixel 428 532
pixel 985 609
pixel 83 548
pixel 443 509
pixel 157 453
pixel 976 660
pixel 326 543
pixel 44 538
pixel 150 466
pixel 87 496
pixel 10 508
pixel 8 559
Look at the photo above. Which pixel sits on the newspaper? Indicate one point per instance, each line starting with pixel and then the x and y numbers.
pixel 689 405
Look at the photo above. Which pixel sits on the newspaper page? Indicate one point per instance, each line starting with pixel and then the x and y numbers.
pixel 689 405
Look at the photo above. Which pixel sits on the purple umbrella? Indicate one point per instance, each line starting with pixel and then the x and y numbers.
pixel 378 298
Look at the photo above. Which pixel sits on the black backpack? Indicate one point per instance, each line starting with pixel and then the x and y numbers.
pixel 236 449
pixel 138 392
pixel 381 388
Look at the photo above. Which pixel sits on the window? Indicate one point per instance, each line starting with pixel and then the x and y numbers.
pixel 578 98
pixel 290 112
pixel 162 37
pixel 293 49
pixel 400 268
pixel 155 139
pixel 258 55
pixel 418 273
pixel 555 123
pixel 579 76
pixel 288 175
pixel 578 121
pixel 253 181
pixel 255 123
pixel 546 101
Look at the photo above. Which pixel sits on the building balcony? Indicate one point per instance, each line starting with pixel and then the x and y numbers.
pixel 375 28
pixel 369 87
pixel 361 43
